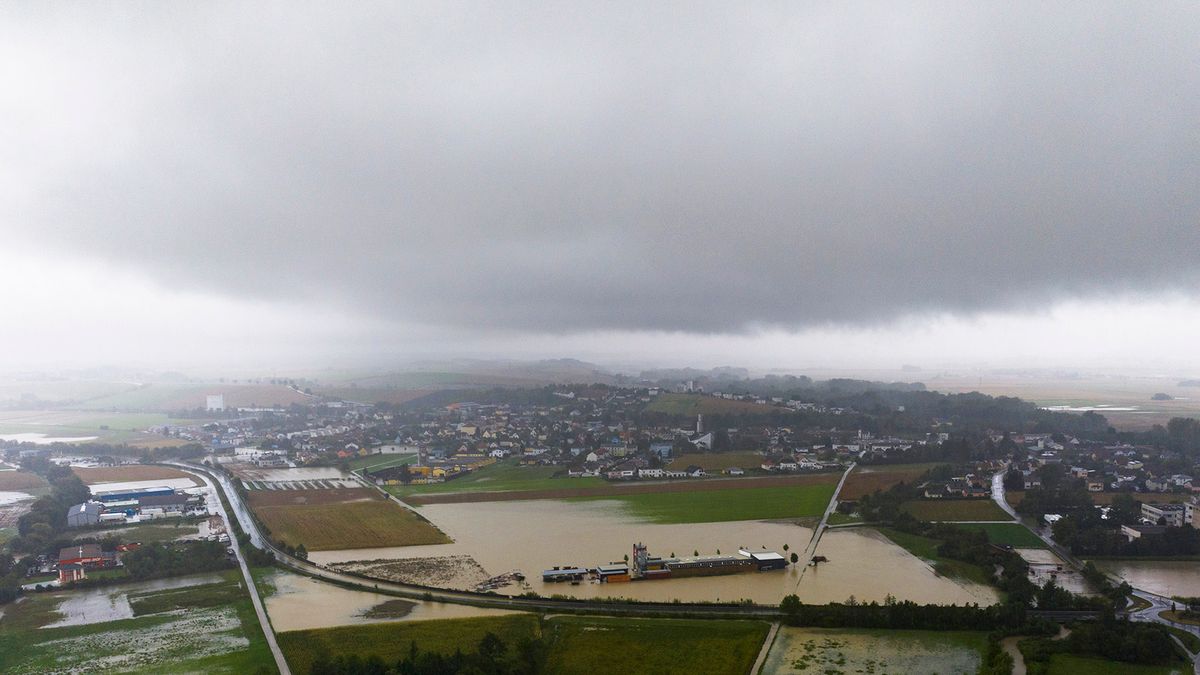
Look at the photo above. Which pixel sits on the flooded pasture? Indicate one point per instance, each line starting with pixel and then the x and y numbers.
pixel 111 603
pixel 300 603
pixel 531 536
pixel 820 650
pixel 1164 577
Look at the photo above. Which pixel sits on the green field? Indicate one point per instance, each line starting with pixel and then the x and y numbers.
pixel 504 476
pixel 709 506
pixel 390 641
pixel 587 645
pixel 844 651
pixel 583 645
pixel 326 525
pixel 107 426
pixel 698 404
pixel 926 549
pixel 376 462
pixel 955 509
pixel 210 628
pixel 1070 664
pixel 1010 534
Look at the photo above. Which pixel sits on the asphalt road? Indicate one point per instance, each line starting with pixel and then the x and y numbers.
pixel 269 632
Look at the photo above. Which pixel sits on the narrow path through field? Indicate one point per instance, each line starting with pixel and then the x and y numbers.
pixel 816 538
pixel 766 648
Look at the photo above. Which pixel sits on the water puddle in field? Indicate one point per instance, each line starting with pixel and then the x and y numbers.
pixel 300 603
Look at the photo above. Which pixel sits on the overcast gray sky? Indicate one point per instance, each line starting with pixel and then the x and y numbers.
pixel 734 182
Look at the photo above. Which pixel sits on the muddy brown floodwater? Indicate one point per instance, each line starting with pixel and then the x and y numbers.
pixel 301 603
pixel 531 536
pixel 1164 577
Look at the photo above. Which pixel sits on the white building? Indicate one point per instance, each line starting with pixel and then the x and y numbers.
pixel 214 402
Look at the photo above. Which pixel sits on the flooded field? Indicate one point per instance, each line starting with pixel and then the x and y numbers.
pixel 1046 566
pixel 80 608
pixel 13 505
pixel 300 603
pixel 1164 577
pixel 837 651
pixel 531 536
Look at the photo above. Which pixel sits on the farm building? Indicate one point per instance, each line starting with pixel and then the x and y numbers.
pixel 82 515
pixel 131 495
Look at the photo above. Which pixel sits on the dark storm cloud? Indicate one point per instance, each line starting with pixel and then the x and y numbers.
pixel 562 167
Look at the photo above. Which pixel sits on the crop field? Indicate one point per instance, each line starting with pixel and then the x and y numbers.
pixel 749 503
pixel 955 509
pixel 926 549
pixel 1010 534
pixel 718 461
pixel 627 489
pixel 325 520
pixel 586 645
pixel 698 404
pixel 865 480
pixel 832 651
pixel 20 481
pixel 576 644
pixel 504 476
pixel 208 628
pixel 129 473
pixel 391 640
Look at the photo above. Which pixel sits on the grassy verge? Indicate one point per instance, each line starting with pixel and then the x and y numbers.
pixel 1070 664
pixel 1189 640
pixel 955 509
pixel 926 549
pixel 1178 617
pixel 602 645
pixel 390 641
pixel 726 505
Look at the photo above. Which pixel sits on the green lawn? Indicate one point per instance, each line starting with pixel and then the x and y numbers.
pixel 708 506
pixel 592 645
pixel 955 509
pixel 391 640
pixel 505 476
pixel 217 631
pixel 926 549
pixel 1011 534
pixel 1070 664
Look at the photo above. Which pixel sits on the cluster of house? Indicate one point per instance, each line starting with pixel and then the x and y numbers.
pixel 1102 467
pixel 969 486
pixel 131 506
pixel 75 561
pixel 1156 518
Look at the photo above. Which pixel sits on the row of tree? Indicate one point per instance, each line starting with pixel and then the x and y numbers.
pixel 490 657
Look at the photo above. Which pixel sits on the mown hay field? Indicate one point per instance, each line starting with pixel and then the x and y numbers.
pixel 955 509
pixel 129 473
pixel 20 480
pixel 865 480
pixel 321 521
